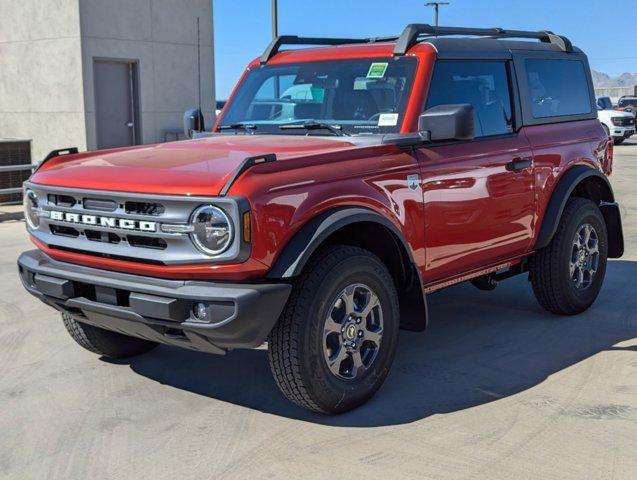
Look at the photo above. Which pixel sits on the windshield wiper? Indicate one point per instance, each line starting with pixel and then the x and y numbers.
pixel 238 126
pixel 335 129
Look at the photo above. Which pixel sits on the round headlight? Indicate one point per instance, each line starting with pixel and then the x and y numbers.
pixel 31 208
pixel 212 230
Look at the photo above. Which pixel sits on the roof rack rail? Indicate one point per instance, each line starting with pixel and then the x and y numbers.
pixel 412 32
pixel 277 42
pixel 411 35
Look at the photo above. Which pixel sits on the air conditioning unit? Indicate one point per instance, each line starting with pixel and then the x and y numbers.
pixel 14 152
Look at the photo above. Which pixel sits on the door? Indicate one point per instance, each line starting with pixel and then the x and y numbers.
pixel 479 195
pixel 115 100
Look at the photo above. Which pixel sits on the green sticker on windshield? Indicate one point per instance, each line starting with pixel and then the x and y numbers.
pixel 377 70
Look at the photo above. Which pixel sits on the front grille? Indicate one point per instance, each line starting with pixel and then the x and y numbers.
pixel 62 201
pixel 64 231
pixel 144 208
pixel 124 226
pixel 99 205
pixel 147 242
pixel 106 237
pixel 624 122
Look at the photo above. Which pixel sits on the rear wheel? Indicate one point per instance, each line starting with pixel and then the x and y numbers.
pixel 104 342
pixel 567 275
pixel 618 141
pixel 335 341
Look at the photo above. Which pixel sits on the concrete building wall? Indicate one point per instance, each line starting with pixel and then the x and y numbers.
pixel 161 36
pixel 41 91
pixel 47 49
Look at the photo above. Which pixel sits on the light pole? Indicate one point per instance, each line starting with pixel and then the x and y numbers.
pixel 275 19
pixel 275 33
pixel 435 5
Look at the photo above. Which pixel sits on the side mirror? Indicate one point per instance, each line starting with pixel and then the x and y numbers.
pixel 193 122
pixel 448 122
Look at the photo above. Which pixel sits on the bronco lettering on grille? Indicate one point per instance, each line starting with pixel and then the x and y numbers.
pixel 110 222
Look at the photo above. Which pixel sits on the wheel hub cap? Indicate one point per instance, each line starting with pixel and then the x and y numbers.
pixel 353 332
pixel 585 257
pixel 350 332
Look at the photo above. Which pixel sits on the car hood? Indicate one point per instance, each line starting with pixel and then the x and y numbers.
pixel 192 167
pixel 608 113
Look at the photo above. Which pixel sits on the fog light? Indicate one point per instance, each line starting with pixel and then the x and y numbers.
pixel 200 311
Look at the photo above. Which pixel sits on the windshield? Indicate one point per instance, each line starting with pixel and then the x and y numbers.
pixel 355 96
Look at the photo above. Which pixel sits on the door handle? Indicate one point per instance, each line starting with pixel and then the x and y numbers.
pixel 518 164
pixel 129 124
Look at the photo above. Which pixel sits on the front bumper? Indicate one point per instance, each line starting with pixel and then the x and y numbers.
pixel 238 315
pixel 622 132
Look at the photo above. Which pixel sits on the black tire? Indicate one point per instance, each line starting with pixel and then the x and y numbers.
pixel 550 268
pixel 618 141
pixel 104 342
pixel 296 344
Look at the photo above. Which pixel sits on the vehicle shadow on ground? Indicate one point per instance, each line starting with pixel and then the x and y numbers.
pixel 480 347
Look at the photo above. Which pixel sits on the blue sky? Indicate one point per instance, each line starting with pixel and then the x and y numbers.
pixel 243 27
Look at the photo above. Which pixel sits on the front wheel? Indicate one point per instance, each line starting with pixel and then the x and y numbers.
pixel 104 342
pixel 618 141
pixel 335 341
pixel 567 275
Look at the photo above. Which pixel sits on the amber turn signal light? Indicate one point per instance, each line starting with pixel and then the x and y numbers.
pixel 246 227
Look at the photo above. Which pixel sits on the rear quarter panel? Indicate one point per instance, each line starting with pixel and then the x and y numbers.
pixel 558 147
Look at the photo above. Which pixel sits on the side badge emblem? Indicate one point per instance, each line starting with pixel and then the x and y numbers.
pixel 413 181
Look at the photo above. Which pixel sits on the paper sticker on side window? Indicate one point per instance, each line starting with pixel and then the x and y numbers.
pixel 377 70
pixel 388 120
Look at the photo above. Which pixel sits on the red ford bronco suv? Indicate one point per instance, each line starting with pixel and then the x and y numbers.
pixel 341 185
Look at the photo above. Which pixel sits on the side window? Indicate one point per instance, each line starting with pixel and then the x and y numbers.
pixel 557 87
pixel 485 85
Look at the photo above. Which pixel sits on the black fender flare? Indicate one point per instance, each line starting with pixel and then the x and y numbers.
pixel 311 236
pixel 297 252
pixel 563 191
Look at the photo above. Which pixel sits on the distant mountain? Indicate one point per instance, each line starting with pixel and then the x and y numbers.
pixel 601 79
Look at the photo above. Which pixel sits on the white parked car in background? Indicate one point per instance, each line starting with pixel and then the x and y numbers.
pixel 619 125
